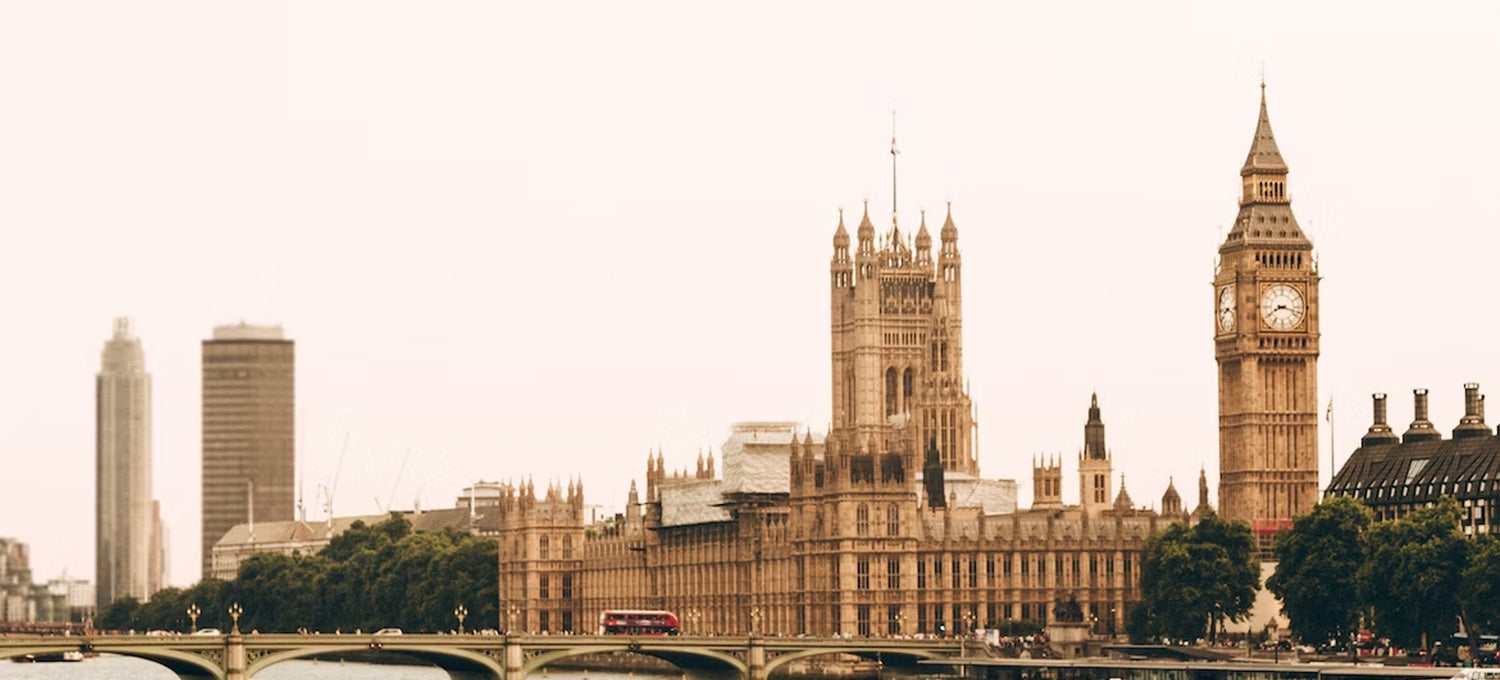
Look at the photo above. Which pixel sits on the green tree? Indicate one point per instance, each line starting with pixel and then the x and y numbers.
pixel 1317 561
pixel 1481 589
pixel 1412 578
pixel 118 615
pixel 1192 577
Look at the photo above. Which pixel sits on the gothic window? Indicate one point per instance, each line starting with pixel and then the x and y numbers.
pixel 955 576
pixel 833 573
pixel 543 549
pixel 567 621
pixel 544 623
pixel 544 584
pixel 973 573
pixel 862 574
pixel 567 547
pixel 567 589
pixel 906 390
pixel 862 520
pixel 893 619
pixel 893 574
pixel 893 520
pixel 891 394
pixel 862 620
pixel 921 573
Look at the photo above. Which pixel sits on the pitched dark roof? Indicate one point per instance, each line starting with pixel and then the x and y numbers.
pixel 1418 472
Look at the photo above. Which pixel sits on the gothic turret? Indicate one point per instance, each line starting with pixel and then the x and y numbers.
pixel 1122 501
pixel 1094 466
pixel 924 242
pixel 1171 501
pixel 866 233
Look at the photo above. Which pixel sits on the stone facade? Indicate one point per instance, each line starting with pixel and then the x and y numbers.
pixel 1266 337
pixel 881 526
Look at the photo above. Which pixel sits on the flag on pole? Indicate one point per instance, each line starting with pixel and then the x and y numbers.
pixel 1328 416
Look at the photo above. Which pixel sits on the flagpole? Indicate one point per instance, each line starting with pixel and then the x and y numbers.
pixel 1332 445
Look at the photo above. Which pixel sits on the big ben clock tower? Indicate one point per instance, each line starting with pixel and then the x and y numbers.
pixel 1265 321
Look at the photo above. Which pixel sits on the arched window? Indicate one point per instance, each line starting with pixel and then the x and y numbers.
pixel 862 520
pixel 544 551
pixel 906 390
pixel 567 547
pixel 893 520
pixel 890 391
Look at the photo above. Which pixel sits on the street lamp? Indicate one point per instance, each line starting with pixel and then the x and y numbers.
pixel 193 612
pixel 460 612
pixel 693 616
pixel 234 613
pixel 754 619
pixel 510 618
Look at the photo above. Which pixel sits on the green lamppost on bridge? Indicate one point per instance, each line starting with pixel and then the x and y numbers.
pixel 234 613
pixel 460 611
pixel 193 612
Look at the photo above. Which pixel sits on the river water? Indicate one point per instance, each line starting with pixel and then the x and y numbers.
pixel 110 667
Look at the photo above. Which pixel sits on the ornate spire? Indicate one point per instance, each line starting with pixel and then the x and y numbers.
pixel 1264 156
pixel 1093 432
pixel 1122 501
pixel 950 230
pixel 841 235
pixel 924 240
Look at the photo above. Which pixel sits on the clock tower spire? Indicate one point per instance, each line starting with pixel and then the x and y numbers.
pixel 1265 323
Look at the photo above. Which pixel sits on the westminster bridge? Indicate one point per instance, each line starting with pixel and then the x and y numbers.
pixel 472 657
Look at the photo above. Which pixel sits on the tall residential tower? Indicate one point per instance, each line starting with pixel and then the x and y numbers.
pixel 248 426
pixel 125 523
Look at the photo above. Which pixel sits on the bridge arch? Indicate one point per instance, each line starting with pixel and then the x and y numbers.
pixel 186 664
pixel 870 653
pixel 668 653
pixel 460 664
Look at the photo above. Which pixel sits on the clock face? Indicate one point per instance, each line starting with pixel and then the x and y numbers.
pixel 1281 306
pixel 1226 309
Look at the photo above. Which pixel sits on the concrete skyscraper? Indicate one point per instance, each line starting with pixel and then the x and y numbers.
pixel 125 524
pixel 248 424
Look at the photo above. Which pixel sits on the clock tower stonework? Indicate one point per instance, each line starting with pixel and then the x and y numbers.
pixel 1265 321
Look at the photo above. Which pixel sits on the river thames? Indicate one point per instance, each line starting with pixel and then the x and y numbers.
pixel 109 667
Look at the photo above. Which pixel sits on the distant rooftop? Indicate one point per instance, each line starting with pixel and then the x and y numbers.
pixel 245 331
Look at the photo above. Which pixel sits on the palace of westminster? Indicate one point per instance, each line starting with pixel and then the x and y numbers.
pixel 883 524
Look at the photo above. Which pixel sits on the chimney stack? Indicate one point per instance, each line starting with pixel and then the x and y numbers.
pixel 1472 424
pixel 1380 433
pixel 1421 429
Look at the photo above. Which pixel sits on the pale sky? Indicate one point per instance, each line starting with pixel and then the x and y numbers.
pixel 539 239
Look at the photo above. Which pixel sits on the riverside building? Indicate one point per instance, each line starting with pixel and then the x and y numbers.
pixel 883 524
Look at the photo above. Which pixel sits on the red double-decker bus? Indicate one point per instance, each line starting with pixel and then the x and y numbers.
pixel 638 622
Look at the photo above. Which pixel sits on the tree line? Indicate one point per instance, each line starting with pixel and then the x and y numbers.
pixel 367 578
pixel 1413 580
